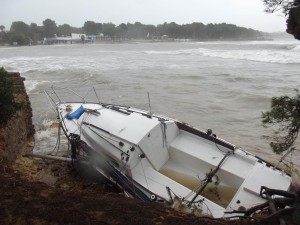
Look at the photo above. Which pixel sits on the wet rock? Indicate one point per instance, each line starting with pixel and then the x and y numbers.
pixel 2 169
pixel 64 186
pixel 55 168
pixel 30 144
pixel 54 125
pixel 56 173
pixel 161 217
pixel 48 179
pixel 40 167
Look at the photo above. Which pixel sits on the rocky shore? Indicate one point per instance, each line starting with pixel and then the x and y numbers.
pixel 35 191
pixel 74 200
pixel 16 137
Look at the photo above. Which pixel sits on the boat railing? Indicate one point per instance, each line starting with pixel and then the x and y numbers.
pixel 55 98
pixel 289 163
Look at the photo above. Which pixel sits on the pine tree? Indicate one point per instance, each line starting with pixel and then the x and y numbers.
pixel 285 117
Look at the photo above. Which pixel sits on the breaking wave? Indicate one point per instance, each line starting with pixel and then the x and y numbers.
pixel 34 64
pixel 176 52
pixel 30 85
pixel 254 55
pixel 46 137
pixel 285 56
pixel 295 48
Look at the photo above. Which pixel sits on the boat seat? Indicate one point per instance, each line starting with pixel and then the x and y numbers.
pixel 257 178
pixel 199 148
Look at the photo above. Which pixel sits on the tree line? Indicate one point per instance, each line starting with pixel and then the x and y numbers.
pixel 24 34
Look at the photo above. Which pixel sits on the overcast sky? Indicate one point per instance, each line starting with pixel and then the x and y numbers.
pixel 247 13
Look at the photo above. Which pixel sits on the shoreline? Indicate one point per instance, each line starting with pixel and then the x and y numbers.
pixel 138 41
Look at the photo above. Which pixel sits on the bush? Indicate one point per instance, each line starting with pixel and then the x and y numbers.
pixel 285 117
pixel 8 106
pixel 20 39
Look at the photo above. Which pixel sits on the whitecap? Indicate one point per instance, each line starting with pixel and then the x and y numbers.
pixel 174 66
pixel 30 85
pixel 268 56
pixel 296 48
pixel 46 138
pixel 175 52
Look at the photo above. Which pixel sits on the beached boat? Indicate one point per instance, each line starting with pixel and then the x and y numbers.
pixel 156 158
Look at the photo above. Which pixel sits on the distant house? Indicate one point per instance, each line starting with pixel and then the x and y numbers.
pixel 104 37
pixel 87 38
pixel 92 38
pixel 78 36
pixel 73 39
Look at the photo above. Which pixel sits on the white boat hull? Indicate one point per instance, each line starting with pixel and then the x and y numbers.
pixel 163 159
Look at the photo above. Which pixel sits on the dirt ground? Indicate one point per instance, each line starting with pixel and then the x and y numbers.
pixel 38 192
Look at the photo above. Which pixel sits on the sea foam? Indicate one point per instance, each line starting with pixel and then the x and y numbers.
pixel 259 55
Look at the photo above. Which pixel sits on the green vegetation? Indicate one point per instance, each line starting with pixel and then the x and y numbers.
pixel 275 5
pixel 285 117
pixel 8 106
pixel 285 111
pixel 290 8
pixel 25 34
pixel 197 31
pixel 90 28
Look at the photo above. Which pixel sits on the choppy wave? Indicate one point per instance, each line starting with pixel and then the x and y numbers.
pixel 45 135
pixel 30 85
pixel 254 55
pixel 285 56
pixel 32 64
pixel 55 65
pixel 295 48
pixel 46 138
pixel 176 52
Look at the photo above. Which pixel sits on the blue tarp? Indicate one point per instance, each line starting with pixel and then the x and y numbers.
pixel 76 114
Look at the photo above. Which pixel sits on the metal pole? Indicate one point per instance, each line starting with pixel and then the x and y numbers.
pixel 149 103
pixel 57 158
pixel 96 95
pixel 208 178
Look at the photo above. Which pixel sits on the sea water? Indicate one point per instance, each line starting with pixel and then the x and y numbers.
pixel 223 86
pixel 219 193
